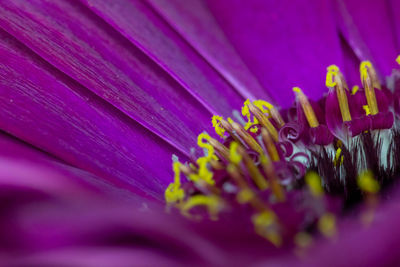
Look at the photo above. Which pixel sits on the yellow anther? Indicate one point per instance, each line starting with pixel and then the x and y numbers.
pixel 234 156
pixel 216 122
pixel 333 70
pixel 303 239
pixel 355 89
pixel 269 111
pixel 245 196
pixel 265 224
pixel 335 79
pixel 174 192
pixel 206 145
pixel 338 157
pixel 264 106
pixel 204 173
pixel 254 129
pixel 308 110
pixel 366 109
pixel 398 59
pixel 370 82
pixel 264 121
pixel 211 202
pixel 314 184
pixel 367 66
pixel 246 113
pixel 367 182
pixel 327 224
pixel 176 167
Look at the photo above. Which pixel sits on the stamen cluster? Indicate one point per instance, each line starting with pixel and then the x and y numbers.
pixel 292 172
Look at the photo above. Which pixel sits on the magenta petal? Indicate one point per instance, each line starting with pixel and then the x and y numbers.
pixel 80 44
pixel 394 17
pixel 138 23
pixel 195 23
pixel 321 135
pixel 351 64
pixel 21 166
pixel 382 120
pixel 45 108
pixel 333 116
pixel 368 28
pixel 284 43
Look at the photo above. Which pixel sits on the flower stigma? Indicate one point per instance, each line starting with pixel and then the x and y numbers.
pixel 291 174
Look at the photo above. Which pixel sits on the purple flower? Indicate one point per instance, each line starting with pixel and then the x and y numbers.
pixel 97 96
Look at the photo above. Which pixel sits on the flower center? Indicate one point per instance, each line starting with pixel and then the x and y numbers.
pixel 291 173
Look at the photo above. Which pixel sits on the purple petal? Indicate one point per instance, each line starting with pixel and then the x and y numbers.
pixel 351 64
pixel 394 6
pixel 194 22
pixel 284 43
pixel 373 245
pixel 138 23
pixel 367 27
pixel 45 108
pixel 80 44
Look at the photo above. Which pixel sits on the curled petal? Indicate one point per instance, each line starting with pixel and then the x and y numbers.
pixel 285 148
pixel 291 131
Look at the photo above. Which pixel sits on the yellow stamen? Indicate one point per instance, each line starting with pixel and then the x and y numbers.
pixel 211 202
pixel 174 192
pixel 338 157
pixel 222 150
pixel 303 239
pixel 308 111
pixel 234 156
pixel 264 121
pixel 369 91
pixel 367 183
pixel 332 71
pixel 246 113
pixel 398 59
pixel 206 145
pixel 366 109
pixel 216 122
pixel 271 111
pixel 355 89
pixel 265 224
pixel 327 224
pixel 245 196
pixel 367 65
pixel 246 137
pixel 203 172
pixel 335 79
pixel 253 170
pixel 270 145
pixel 314 184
